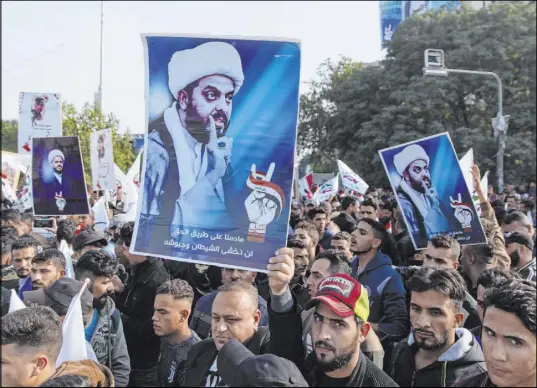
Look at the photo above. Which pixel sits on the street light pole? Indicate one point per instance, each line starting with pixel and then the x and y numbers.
pixel 434 65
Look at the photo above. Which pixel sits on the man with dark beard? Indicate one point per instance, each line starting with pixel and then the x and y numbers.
pixel 341 310
pixel 423 209
pixel 437 353
pixel 188 152
pixel 297 213
pixel 520 248
pixel 105 332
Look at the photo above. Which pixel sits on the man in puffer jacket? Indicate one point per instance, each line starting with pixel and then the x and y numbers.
pixel 437 353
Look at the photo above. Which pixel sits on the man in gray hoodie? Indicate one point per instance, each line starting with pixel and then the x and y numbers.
pixel 105 332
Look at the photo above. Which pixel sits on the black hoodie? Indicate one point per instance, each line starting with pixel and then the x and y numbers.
pixel 463 360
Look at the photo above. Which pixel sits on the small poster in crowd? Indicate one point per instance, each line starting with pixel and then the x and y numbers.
pixel 218 158
pixel 102 160
pixel 327 190
pixel 11 169
pixel 431 191
pixel 40 115
pixel 58 182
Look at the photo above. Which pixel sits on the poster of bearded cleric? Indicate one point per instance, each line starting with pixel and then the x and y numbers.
pixel 219 149
pixel 431 191
pixel 58 183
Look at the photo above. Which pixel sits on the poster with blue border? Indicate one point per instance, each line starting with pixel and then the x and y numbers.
pixel 431 191
pixel 391 15
pixel 219 148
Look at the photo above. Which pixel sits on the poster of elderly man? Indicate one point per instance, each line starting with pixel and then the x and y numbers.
pixel 58 183
pixel 219 148
pixel 431 191
pixel 102 161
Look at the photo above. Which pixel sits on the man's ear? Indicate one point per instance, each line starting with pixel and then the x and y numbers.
pixel 41 362
pixel 471 259
pixel 182 99
pixel 364 330
pixel 377 243
pixel 459 318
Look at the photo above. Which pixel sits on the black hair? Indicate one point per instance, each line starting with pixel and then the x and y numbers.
pixel 68 380
pixel 126 233
pixel 316 210
pixel 177 288
pixel 66 231
pixel 338 261
pixel 7 242
pixel 387 205
pixel 516 216
pixel 310 228
pixel 33 327
pixel 495 275
pixel 326 206
pixel 528 204
pixel 12 215
pixel 369 202
pixel 500 213
pixel 483 253
pixel 52 255
pixel 348 201
pixel 379 231
pixel 447 282
pixel 345 236
pixel 25 216
pixel 516 297
pixel 294 243
pixel 447 242
pixel 25 241
pixel 95 263
pixel 8 230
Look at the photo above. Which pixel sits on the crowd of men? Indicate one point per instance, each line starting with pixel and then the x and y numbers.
pixel 348 302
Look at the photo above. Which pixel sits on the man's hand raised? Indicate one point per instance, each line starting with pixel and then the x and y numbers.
pixel 281 271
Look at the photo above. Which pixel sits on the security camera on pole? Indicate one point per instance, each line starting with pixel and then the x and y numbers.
pixel 435 65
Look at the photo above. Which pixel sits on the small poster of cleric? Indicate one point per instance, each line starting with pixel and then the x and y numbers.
pixel 102 161
pixel 39 116
pixel 431 191
pixel 58 183
pixel 218 157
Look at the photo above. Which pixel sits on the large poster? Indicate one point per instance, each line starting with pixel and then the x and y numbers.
pixel 391 15
pixel 219 149
pixel 58 183
pixel 102 160
pixel 431 191
pixel 39 116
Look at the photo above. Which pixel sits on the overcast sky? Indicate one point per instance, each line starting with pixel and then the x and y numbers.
pixel 54 46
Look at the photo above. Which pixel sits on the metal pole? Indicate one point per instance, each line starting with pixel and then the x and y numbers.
pixel 501 133
pixel 101 61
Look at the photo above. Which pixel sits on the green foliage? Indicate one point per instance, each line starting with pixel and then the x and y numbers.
pixel 351 112
pixel 81 124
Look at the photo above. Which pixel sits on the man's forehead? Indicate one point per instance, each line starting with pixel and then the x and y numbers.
pixel 364 226
pixel 301 231
pixel 220 82
pixel 418 163
pixel 24 252
pixel 320 265
pixel 429 299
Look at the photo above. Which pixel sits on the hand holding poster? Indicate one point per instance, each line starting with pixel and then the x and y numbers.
pixel 431 191
pixel 350 179
pixel 39 116
pixel 327 190
pixel 58 182
pixel 219 149
pixel 102 160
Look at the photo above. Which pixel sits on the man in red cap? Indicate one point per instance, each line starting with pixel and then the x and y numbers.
pixel 339 327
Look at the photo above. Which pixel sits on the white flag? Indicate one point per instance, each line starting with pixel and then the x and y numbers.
pixel 304 185
pixel 15 303
pixel 100 214
pixel 350 179
pixel 327 189
pixel 130 197
pixel 466 163
pixel 69 268
pixel 134 172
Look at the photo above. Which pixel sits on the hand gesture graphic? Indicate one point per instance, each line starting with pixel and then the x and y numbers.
pixel 264 204
pixel 463 212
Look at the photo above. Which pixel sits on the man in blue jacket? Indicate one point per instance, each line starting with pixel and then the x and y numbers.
pixel 373 269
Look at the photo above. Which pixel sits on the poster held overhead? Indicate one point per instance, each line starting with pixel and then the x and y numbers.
pixel 58 182
pixel 431 191
pixel 102 160
pixel 218 161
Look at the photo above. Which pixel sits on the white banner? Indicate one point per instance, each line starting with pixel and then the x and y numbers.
pixel 304 185
pixel 327 189
pixel 350 179
pixel 102 161
pixel 134 171
pixel 130 196
pixel 466 163
pixel 39 116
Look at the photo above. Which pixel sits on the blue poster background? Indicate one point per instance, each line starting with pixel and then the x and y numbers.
pixel 263 127
pixel 447 180
pixel 391 15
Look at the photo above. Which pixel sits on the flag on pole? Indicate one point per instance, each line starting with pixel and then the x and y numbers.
pixel 15 303
pixel 327 189
pixel 69 267
pixel 100 214
pixel 304 185
pixel 350 179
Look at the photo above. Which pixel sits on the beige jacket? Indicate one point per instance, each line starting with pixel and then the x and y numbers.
pixel 496 237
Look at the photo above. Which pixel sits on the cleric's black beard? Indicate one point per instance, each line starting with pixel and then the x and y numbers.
pixel 198 128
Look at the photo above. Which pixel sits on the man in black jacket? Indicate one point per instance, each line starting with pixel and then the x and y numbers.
pixel 339 327
pixel 437 353
pixel 235 315
pixel 346 220
pixel 135 301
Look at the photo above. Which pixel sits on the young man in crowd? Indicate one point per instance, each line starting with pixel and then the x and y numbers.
pixel 509 341
pixel 173 305
pixel 297 213
pixel 298 284
pixel 23 251
pixel 105 331
pixel 342 242
pixel 369 210
pixel 201 317
pixel 235 315
pixel 47 267
pixel 520 248
pixel 518 222
pixel 346 220
pixel 319 218
pixel 88 239
pixel 474 260
pixel 339 326
pixel 443 252
pixel 403 241
pixel 307 233
pixel 331 227
pixel 135 300
pixel 12 217
pixel 373 269
pixel 437 352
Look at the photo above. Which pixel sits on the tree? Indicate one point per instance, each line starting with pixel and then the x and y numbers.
pixel 81 124
pixel 380 106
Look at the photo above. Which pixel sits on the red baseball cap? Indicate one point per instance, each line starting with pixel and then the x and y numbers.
pixel 344 295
